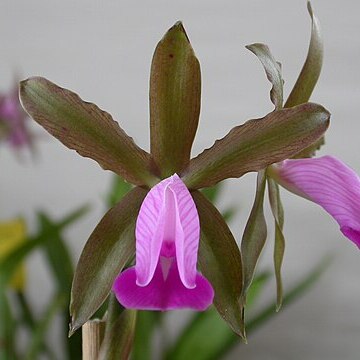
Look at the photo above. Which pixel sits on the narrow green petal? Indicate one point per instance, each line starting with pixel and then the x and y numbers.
pixel 308 78
pixel 220 262
pixel 108 250
pixel 257 144
pixel 255 234
pixel 273 72
pixel 310 72
pixel 175 90
pixel 84 127
pixel 279 248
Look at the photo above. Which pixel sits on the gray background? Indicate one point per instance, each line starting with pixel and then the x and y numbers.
pixel 103 49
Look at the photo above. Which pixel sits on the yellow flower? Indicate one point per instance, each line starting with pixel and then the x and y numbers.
pixel 12 235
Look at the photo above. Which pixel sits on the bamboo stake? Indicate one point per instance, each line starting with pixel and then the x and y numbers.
pixel 92 336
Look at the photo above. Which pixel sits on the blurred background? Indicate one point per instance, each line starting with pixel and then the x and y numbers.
pixel 103 50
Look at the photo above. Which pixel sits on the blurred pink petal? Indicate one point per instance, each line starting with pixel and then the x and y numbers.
pixel 167 241
pixel 14 120
pixel 328 182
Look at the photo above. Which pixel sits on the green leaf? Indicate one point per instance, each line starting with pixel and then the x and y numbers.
pixel 279 248
pixel 273 72
pixel 255 234
pixel 212 193
pixel 27 318
pixel 40 330
pixel 258 143
pixel 267 313
pixel 73 217
pixel 256 287
pixel 61 265
pixel 57 254
pixel 297 290
pixel 310 72
pixel 228 214
pixel 175 90
pixel 7 328
pixel 204 335
pixel 119 332
pixel 108 250
pixel 220 262
pixel 207 333
pixel 119 188
pixel 9 264
pixel 84 127
pixel 146 323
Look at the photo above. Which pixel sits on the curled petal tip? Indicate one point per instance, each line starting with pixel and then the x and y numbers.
pixel 352 234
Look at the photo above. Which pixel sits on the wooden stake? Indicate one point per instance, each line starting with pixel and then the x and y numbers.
pixel 92 336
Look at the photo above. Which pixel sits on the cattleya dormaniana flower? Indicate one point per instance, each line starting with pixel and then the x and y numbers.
pixel 13 119
pixel 326 180
pixel 185 254
pixel 167 239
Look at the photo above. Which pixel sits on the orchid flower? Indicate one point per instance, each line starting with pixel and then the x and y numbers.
pixel 328 182
pixel 13 120
pixel 172 229
pixel 167 240
pixel 255 233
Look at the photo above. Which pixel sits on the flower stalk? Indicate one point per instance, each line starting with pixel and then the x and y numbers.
pixel 92 337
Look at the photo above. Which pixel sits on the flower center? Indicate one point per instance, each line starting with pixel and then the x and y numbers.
pixel 168 249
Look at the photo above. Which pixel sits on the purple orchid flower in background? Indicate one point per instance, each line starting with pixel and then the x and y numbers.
pixel 13 120
pixel 328 182
pixel 167 241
